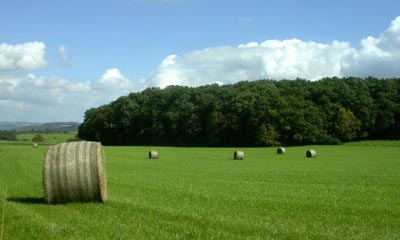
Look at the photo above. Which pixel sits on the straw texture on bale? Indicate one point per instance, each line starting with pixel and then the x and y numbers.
pixel 75 172
pixel 311 153
pixel 238 155
pixel 153 155
pixel 281 150
pixel 35 145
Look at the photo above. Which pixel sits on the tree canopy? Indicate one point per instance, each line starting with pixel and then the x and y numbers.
pixel 257 113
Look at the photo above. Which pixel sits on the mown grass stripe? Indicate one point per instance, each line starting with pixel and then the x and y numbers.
pixel 3 213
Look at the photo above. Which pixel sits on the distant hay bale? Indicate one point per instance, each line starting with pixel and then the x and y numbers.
pixel 281 150
pixel 311 153
pixel 35 145
pixel 238 155
pixel 153 155
pixel 75 172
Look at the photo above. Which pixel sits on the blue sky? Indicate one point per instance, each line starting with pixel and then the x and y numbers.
pixel 81 54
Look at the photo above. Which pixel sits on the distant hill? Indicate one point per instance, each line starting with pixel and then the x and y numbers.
pixel 18 125
pixel 28 126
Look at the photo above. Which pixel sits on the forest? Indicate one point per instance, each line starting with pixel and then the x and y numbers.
pixel 256 113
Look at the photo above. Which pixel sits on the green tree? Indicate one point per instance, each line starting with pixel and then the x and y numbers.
pixel 267 136
pixel 37 138
pixel 346 124
pixel 8 135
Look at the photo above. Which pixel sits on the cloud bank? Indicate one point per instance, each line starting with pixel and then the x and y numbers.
pixel 47 99
pixel 26 97
pixel 284 59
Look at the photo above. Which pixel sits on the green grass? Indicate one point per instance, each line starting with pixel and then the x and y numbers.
pixel 48 138
pixel 348 192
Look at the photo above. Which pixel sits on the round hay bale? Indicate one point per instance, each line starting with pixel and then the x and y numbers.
pixel 281 150
pixel 238 155
pixel 75 172
pixel 35 145
pixel 311 153
pixel 153 155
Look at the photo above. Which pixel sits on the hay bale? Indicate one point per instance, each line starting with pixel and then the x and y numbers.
pixel 153 155
pixel 75 172
pixel 311 153
pixel 35 145
pixel 238 155
pixel 281 150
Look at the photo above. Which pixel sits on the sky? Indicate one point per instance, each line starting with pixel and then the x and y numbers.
pixel 61 58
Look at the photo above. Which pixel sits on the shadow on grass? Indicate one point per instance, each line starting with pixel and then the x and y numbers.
pixel 27 200
pixel 39 201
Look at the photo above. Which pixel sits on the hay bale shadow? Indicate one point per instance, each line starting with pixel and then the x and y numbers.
pixel 27 200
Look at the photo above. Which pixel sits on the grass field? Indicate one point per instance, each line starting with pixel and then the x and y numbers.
pixel 350 191
pixel 48 138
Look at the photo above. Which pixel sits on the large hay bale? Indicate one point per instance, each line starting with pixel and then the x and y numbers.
pixel 238 155
pixel 311 153
pixel 281 150
pixel 153 155
pixel 35 145
pixel 75 172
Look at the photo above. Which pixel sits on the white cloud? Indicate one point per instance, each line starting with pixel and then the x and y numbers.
pixel 378 57
pixel 112 79
pixel 27 56
pixel 62 53
pixel 32 90
pixel 270 59
pixel 286 59
pixel 47 99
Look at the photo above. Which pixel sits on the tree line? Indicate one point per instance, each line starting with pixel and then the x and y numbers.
pixel 8 135
pixel 257 113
